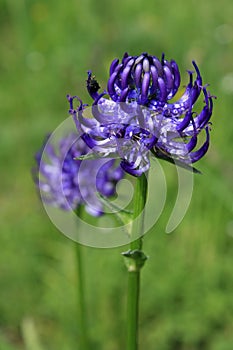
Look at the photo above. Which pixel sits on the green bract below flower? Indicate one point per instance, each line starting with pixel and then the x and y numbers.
pixel 135 116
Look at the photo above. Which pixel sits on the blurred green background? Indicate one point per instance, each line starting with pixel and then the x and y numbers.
pixel 46 47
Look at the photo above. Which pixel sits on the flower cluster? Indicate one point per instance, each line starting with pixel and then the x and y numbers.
pixel 67 182
pixel 137 115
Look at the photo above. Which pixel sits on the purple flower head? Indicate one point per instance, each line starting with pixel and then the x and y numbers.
pixel 67 182
pixel 135 117
pixel 144 79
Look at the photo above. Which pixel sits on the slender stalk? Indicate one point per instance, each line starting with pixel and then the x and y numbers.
pixel 139 201
pixel 135 260
pixel 82 314
pixel 133 310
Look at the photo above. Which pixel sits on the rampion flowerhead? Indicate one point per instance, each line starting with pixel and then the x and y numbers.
pixel 67 182
pixel 138 115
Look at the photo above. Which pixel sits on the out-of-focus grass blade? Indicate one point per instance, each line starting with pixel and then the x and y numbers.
pixel 30 335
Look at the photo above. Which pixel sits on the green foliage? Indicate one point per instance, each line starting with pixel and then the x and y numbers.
pixel 187 283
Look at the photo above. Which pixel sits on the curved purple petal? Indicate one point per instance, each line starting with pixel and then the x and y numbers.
pixel 195 156
pixel 145 87
pixel 113 66
pixel 176 74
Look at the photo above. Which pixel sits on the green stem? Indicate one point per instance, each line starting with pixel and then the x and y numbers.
pixel 82 314
pixel 133 310
pixel 139 201
pixel 135 259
